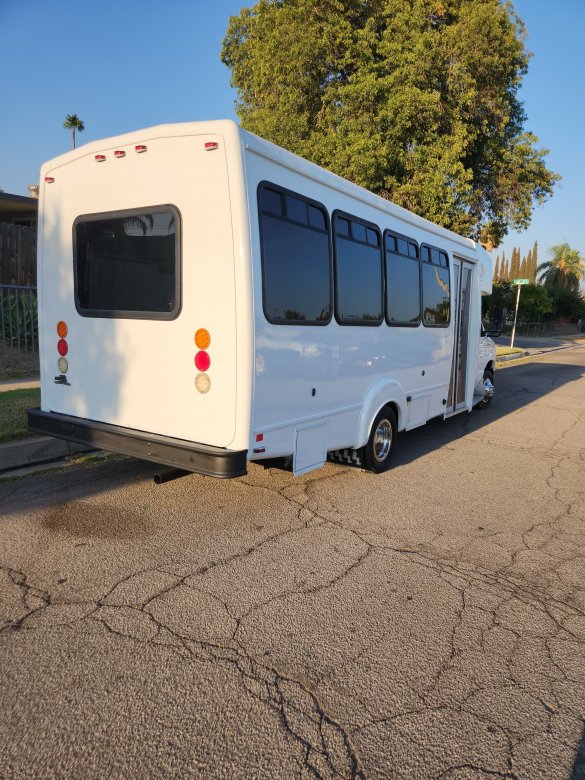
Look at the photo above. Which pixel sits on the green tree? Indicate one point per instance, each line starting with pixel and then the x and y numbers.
pixel 567 304
pixel 417 101
pixel 534 262
pixel 565 268
pixel 73 122
pixel 535 303
pixel 515 266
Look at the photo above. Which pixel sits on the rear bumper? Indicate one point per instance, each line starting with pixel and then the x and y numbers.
pixel 178 453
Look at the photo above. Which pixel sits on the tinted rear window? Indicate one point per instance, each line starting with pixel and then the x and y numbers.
pixel 127 264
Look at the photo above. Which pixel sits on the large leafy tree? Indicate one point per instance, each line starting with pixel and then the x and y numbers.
pixel 566 268
pixel 414 99
pixel 74 123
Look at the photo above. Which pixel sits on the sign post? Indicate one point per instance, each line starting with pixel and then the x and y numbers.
pixel 518 283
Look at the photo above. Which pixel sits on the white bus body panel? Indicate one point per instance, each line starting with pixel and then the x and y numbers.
pixel 140 373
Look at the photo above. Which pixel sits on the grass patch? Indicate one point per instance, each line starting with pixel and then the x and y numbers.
pixel 13 406
pixel 507 351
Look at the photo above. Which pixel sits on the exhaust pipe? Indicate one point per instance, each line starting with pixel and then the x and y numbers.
pixel 168 476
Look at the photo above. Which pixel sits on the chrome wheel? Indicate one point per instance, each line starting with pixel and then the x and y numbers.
pixel 382 441
pixel 377 453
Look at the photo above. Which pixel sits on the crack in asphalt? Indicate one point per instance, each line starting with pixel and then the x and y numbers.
pixel 496 612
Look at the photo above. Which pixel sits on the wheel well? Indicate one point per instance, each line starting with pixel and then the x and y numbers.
pixel 491 366
pixel 396 410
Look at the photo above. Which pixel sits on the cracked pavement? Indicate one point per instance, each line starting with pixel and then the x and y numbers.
pixel 426 623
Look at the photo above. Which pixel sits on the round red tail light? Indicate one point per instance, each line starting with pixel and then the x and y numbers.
pixel 62 347
pixel 202 361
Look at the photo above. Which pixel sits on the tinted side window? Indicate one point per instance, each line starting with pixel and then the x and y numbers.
pixel 296 262
pixel 402 281
pixel 127 264
pixel 435 287
pixel 358 273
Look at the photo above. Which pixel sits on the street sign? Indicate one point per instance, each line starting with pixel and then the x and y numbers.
pixel 520 281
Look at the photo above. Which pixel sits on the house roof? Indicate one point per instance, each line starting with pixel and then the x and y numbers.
pixel 17 207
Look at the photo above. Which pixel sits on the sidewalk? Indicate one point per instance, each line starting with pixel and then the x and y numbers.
pixel 530 346
pixel 34 450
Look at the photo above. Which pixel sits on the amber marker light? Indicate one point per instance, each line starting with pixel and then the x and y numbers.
pixel 62 329
pixel 202 339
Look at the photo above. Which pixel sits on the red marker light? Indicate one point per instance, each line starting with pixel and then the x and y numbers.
pixel 119 153
pixel 100 157
pixel 62 347
pixel 259 437
pixel 49 179
pixel 210 146
pixel 202 361
pixel 140 148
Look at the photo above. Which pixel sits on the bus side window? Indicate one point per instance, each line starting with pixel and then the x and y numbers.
pixel 435 287
pixel 402 280
pixel 296 258
pixel 358 271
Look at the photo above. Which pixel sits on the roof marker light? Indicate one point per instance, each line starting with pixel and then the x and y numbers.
pixel 119 153
pixel 210 146
pixel 100 157
pixel 140 148
pixel 49 179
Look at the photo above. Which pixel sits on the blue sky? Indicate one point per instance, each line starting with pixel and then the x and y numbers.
pixel 123 65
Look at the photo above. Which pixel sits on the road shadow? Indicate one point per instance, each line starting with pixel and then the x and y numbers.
pixel 578 772
pixel 516 388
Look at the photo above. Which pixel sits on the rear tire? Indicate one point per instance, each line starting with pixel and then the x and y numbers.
pixel 486 400
pixel 376 454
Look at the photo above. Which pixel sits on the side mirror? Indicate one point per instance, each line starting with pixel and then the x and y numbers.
pixel 491 333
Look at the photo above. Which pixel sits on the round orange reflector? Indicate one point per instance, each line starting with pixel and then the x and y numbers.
pixel 202 339
pixel 62 329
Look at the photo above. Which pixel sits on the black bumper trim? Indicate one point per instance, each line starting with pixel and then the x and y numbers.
pixel 178 453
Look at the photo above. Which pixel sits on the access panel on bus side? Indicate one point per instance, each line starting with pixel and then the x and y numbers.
pixel 137 263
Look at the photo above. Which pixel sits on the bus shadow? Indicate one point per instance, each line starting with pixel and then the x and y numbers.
pixel 516 388
pixel 578 771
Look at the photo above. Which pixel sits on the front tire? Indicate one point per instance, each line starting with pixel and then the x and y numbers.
pixel 487 399
pixel 376 454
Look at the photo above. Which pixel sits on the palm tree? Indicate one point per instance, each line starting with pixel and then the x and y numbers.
pixel 565 269
pixel 73 122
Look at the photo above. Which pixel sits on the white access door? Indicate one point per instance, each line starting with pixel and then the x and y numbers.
pixel 462 286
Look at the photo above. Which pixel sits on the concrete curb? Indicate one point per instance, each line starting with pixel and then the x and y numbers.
pixel 36 450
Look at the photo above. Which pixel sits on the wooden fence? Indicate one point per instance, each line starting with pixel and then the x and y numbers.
pixel 18 255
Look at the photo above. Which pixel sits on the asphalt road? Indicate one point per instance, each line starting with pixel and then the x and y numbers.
pixel 427 623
